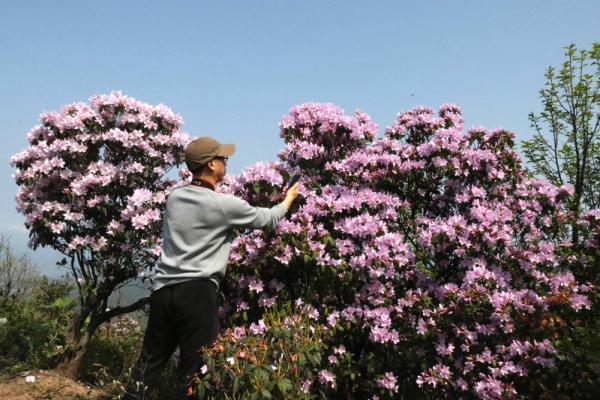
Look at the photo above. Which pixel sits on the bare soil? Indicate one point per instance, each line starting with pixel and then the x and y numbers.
pixel 48 385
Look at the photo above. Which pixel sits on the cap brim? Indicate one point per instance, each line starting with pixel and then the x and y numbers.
pixel 225 150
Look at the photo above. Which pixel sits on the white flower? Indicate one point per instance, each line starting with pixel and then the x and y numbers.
pixel 306 386
pixel 230 360
pixel 204 369
pixel 30 378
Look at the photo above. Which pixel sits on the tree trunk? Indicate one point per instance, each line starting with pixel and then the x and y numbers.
pixel 80 335
pixel 574 225
pixel 77 345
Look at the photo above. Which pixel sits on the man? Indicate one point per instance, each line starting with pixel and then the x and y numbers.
pixel 197 234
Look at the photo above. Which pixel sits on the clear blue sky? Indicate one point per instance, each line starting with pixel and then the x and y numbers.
pixel 233 68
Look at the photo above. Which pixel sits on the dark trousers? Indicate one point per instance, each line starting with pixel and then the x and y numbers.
pixel 186 315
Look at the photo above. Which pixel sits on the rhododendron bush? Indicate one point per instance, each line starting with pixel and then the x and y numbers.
pixel 92 185
pixel 427 255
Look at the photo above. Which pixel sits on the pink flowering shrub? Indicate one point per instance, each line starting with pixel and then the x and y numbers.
pixel 433 264
pixel 92 185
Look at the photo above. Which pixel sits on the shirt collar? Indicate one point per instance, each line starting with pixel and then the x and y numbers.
pixel 203 183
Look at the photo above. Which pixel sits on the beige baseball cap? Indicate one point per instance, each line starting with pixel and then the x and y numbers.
pixel 203 149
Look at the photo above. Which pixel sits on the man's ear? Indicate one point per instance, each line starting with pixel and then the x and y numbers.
pixel 210 165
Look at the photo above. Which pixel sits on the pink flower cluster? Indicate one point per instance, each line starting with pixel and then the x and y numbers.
pixel 317 132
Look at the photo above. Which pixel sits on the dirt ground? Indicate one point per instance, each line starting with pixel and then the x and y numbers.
pixel 48 385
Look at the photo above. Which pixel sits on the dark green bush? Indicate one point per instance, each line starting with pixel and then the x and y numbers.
pixel 33 329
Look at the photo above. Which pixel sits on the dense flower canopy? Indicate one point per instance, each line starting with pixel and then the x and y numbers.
pixel 92 182
pixel 427 254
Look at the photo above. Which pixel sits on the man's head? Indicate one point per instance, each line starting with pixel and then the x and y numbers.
pixel 206 157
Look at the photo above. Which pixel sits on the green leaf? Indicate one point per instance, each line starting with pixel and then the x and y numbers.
pixel 200 391
pixel 314 359
pixel 236 384
pixel 260 375
pixel 63 302
pixel 328 240
pixel 284 385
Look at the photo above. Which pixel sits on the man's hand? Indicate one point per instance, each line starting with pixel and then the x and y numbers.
pixel 290 195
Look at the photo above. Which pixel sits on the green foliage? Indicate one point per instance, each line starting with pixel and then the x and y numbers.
pixel 113 349
pixel 270 365
pixel 35 328
pixel 565 147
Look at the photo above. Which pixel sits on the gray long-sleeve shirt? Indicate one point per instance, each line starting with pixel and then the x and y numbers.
pixel 198 228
